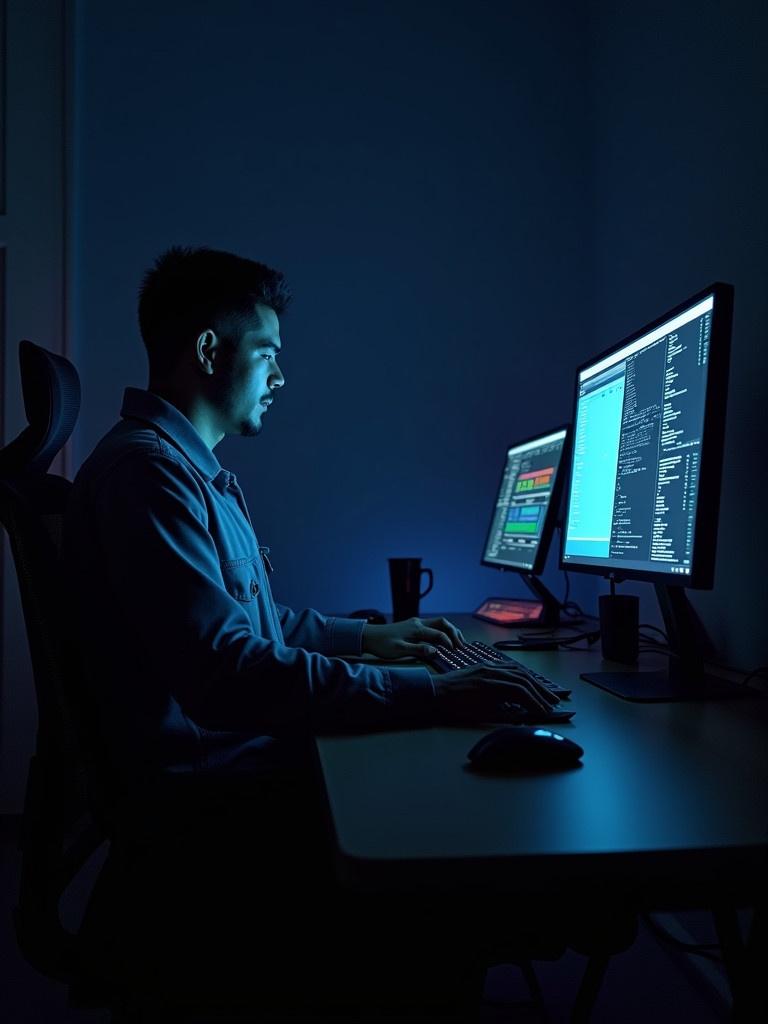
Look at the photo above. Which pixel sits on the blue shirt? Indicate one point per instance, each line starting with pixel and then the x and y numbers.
pixel 192 664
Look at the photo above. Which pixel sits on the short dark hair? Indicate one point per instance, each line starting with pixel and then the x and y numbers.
pixel 190 290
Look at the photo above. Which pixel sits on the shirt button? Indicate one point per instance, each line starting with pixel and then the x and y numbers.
pixel 254 588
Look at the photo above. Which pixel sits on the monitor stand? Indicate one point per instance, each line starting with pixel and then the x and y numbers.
pixel 550 612
pixel 685 679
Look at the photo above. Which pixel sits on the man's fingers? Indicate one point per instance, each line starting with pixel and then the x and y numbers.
pixel 529 700
pixel 453 632
pixel 503 678
pixel 452 636
pixel 520 678
pixel 435 636
pixel 412 650
pixel 519 694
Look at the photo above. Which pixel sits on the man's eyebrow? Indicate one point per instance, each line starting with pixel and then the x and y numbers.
pixel 269 344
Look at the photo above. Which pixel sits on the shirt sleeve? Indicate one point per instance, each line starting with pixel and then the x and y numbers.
pixel 327 634
pixel 159 569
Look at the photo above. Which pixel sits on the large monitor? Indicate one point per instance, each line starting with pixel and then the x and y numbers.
pixel 524 516
pixel 643 495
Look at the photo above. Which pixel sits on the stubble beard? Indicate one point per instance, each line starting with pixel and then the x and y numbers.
pixel 250 427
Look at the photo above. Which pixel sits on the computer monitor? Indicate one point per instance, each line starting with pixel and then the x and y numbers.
pixel 524 515
pixel 643 496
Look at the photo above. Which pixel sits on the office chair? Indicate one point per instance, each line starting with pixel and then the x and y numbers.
pixel 65 819
pixel 59 833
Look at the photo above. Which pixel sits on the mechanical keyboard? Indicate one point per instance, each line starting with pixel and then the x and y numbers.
pixel 448 659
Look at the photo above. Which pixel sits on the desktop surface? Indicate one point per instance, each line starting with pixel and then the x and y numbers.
pixel 671 794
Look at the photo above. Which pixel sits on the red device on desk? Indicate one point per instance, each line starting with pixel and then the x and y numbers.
pixel 510 611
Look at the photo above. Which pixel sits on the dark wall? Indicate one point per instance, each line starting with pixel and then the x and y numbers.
pixel 418 172
pixel 679 144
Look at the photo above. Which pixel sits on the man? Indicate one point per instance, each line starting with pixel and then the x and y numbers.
pixel 193 664
pixel 193 668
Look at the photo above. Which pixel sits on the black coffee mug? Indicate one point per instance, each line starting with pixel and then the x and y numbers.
pixel 405 579
pixel 619 623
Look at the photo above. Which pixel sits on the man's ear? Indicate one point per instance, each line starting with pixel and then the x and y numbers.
pixel 206 351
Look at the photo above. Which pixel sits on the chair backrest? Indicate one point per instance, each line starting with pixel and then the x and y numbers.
pixel 50 387
pixel 59 832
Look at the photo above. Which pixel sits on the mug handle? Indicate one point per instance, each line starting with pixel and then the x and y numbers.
pixel 429 585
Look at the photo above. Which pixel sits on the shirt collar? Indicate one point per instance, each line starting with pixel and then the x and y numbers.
pixel 174 425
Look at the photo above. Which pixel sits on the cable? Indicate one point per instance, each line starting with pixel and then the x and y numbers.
pixel 549 633
pixel 591 636
pixel 647 625
pixel 564 603
pixel 575 611
pixel 570 608
pixel 551 641
pixel 657 649
pixel 653 642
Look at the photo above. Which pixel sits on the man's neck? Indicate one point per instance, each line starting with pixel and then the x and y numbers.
pixel 193 406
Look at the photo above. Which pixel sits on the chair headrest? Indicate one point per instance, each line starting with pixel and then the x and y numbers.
pixel 51 390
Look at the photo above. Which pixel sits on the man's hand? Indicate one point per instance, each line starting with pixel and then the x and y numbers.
pixel 476 694
pixel 467 695
pixel 411 638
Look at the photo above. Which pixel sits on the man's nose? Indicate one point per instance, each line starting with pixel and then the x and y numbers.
pixel 276 379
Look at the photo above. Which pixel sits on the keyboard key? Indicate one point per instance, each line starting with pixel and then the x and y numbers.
pixel 448 659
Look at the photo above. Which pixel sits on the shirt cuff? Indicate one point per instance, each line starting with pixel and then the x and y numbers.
pixel 412 692
pixel 345 636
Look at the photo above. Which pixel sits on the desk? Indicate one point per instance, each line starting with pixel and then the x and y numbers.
pixel 670 804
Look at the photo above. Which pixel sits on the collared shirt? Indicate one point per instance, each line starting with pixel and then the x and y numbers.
pixel 192 664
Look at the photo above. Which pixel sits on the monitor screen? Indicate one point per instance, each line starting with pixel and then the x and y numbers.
pixel 647 448
pixel 526 504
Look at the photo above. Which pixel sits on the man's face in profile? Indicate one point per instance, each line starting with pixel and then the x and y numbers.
pixel 249 373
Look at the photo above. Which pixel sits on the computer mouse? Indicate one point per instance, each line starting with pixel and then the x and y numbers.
pixel 516 747
pixel 373 616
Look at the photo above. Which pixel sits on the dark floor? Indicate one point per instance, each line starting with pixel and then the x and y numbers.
pixel 647 983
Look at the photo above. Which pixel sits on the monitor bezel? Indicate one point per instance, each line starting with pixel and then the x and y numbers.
pixel 712 446
pixel 553 509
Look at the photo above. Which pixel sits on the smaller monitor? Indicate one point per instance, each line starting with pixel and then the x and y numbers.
pixel 524 517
